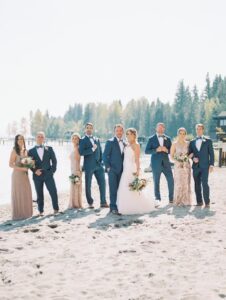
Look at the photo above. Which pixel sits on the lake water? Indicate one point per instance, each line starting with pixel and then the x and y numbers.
pixel 61 176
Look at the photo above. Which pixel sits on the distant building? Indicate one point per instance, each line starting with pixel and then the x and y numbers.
pixel 221 126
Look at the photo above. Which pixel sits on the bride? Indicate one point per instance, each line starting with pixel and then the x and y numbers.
pixel 132 202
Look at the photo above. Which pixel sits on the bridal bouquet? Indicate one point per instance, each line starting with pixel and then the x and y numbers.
pixel 138 184
pixel 27 162
pixel 181 157
pixel 75 179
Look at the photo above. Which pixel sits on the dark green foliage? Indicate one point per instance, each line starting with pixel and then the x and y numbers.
pixel 187 109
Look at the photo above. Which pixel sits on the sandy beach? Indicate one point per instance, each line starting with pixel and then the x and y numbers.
pixel 171 253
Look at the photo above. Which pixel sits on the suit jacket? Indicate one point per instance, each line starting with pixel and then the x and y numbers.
pixel 113 158
pixel 158 158
pixel 48 164
pixel 92 159
pixel 205 155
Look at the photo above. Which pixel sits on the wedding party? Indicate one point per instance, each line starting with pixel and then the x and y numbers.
pixel 129 194
pixel 112 150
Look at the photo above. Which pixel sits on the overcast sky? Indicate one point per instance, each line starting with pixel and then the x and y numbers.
pixel 54 53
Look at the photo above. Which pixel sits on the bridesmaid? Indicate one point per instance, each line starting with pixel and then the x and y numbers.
pixel 76 189
pixel 182 170
pixel 21 195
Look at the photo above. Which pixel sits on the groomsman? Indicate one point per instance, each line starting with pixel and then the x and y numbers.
pixel 203 161
pixel 113 159
pixel 45 167
pixel 159 147
pixel 90 148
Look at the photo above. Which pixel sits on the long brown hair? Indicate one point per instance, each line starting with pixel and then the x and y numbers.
pixel 16 146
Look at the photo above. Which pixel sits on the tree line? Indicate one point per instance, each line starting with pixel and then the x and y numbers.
pixel 188 108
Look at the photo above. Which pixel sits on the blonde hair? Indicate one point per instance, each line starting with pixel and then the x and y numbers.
pixel 133 131
pixel 181 129
pixel 76 134
pixel 200 125
pixel 118 126
pixel 160 124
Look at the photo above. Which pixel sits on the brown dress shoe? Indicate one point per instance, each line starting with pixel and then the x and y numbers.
pixel 91 206
pixel 104 205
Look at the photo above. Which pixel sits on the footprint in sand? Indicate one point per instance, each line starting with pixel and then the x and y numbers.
pixel 127 251
pixel 4 250
pixel 31 230
pixel 19 248
pixel 52 225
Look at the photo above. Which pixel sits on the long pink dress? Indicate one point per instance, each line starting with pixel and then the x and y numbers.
pixel 182 178
pixel 75 200
pixel 21 195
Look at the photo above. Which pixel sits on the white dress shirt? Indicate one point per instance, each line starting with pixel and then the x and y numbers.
pixel 91 139
pixel 198 143
pixel 161 140
pixel 121 146
pixel 40 151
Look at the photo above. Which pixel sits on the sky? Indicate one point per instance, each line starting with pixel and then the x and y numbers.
pixel 55 53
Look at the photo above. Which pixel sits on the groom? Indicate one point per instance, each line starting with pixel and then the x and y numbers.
pixel 203 162
pixel 159 147
pixel 113 159
pixel 45 167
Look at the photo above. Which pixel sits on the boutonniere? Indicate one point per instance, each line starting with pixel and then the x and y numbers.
pixel 204 140
pixel 46 148
pixel 165 138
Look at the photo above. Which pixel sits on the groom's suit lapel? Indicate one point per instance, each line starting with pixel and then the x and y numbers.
pixel 45 153
pixel 203 143
pixel 157 140
pixel 35 151
pixel 118 147
pixel 89 142
pixel 165 140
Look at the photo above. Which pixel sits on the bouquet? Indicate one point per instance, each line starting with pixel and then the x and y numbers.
pixel 27 162
pixel 138 184
pixel 181 157
pixel 75 179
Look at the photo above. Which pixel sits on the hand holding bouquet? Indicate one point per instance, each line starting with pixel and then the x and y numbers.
pixel 27 162
pixel 181 157
pixel 138 184
pixel 75 179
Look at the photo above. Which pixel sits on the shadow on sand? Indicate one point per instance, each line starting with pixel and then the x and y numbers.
pixel 109 221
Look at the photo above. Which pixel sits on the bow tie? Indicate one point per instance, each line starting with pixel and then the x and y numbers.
pixel 90 136
pixel 199 138
pixel 39 146
pixel 162 136
pixel 120 141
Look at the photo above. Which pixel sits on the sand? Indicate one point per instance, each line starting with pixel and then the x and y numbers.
pixel 172 253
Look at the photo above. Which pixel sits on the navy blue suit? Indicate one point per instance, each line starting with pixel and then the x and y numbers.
pixel 201 169
pixel 113 160
pixel 93 165
pixel 160 164
pixel 48 167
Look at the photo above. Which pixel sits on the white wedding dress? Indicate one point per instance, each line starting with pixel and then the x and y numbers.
pixel 132 202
